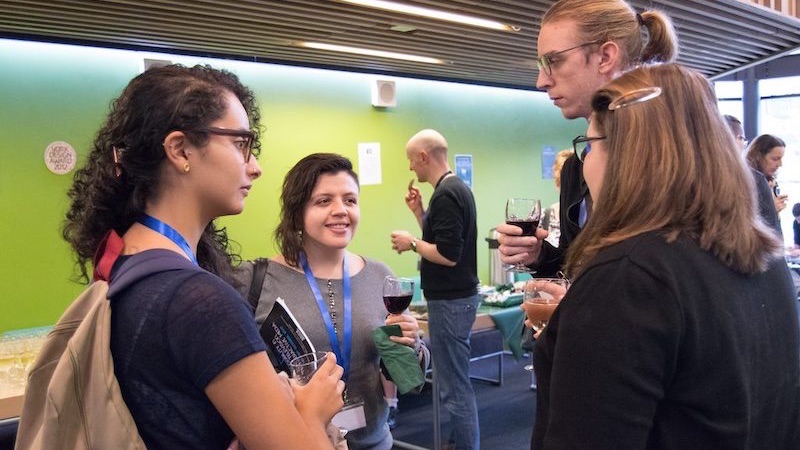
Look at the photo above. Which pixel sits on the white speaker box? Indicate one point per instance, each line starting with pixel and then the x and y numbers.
pixel 384 93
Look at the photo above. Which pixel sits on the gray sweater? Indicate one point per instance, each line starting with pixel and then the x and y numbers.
pixel 368 313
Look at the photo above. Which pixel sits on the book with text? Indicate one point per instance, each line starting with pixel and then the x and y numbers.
pixel 284 337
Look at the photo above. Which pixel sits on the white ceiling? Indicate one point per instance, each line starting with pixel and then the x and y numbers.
pixel 717 36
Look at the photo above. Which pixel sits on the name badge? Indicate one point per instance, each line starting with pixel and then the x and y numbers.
pixel 351 417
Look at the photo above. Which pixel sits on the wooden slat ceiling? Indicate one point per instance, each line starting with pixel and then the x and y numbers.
pixel 717 36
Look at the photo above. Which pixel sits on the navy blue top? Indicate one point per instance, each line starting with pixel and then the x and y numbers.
pixel 174 327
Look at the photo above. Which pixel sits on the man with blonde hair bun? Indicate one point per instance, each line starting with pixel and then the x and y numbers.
pixel 583 44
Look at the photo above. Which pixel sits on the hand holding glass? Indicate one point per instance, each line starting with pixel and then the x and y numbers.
pixel 524 213
pixel 304 366
pixel 397 293
pixel 540 299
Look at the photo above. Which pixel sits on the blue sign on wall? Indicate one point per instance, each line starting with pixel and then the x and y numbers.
pixel 463 165
pixel 548 158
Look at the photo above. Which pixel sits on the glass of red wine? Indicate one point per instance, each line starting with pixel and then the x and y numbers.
pixel 397 293
pixel 524 213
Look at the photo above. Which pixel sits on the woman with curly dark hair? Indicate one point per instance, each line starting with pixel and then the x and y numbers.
pixel 176 152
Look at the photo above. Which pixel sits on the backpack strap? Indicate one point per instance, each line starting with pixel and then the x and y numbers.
pixel 259 272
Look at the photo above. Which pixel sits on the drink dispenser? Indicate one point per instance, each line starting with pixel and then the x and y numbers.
pixel 497 272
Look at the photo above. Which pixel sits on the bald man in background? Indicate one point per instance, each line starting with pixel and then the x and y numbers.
pixel 448 272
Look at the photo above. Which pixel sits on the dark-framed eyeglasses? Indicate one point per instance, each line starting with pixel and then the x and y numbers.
pixel 743 138
pixel 581 154
pixel 245 145
pixel 545 62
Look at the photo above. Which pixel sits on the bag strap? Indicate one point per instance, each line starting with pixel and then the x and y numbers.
pixel 259 272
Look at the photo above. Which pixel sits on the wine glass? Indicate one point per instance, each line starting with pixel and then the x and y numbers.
pixel 397 293
pixel 304 366
pixel 540 298
pixel 524 213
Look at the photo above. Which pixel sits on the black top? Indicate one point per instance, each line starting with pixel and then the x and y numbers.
pixel 766 204
pixel 572 192
pixel 796 230
pixel 660 346
pixel 450 223
pixel 172 332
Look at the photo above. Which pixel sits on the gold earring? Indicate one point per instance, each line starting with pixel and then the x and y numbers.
pixel 186 167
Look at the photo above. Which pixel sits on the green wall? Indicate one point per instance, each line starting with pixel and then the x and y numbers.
pixel 62 93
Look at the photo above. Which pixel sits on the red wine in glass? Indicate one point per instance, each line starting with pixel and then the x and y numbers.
pixel 396 304
pixel 524 213
pixel 528 226
pixel 397 293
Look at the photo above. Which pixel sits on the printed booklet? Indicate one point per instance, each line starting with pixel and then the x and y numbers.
pixel 284 337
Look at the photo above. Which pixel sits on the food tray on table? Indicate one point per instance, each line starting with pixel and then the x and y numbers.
pixel 503 299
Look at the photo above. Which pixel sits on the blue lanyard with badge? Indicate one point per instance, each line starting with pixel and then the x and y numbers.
pixel 170 233
pixel 352 416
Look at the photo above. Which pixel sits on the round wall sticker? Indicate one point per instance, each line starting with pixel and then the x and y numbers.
pixel 59 157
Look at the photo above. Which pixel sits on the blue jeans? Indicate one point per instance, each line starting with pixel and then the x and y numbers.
pixel 450 323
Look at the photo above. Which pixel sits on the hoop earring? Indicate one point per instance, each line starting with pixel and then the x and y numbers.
pixel 300 236
pixel 186 167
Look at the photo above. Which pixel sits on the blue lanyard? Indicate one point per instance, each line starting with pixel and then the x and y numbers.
pixel 342 353
pixel 171 233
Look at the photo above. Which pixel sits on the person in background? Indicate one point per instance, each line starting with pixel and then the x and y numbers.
pixel 583 44
pixel 390 397
pixel 765 154
pixel 449 277
pixel 681 302
pixel 796 226
pixel 335 295
pixel 766 205
pixel 550 217
pixel 177 151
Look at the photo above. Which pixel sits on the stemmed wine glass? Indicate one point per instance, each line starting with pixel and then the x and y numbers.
pixel 397 293
pixel 540 298
pixel 524 213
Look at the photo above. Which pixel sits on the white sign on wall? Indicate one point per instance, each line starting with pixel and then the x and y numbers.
pixel 60 157
pixel 369 163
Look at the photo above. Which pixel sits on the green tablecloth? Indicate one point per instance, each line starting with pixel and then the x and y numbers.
pixel 509 321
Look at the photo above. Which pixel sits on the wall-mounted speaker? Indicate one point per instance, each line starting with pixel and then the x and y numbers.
pixel 384 93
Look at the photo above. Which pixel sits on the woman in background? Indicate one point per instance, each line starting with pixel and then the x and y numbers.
pixel 680 329
pixel 317 277
pixel 175 153
pixel 765 154
pixel 550 216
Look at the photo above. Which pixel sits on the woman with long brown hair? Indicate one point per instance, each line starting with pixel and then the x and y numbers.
pixel 680 329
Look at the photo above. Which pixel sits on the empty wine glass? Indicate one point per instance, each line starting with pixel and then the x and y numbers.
pixel 397 293
pixel 526 214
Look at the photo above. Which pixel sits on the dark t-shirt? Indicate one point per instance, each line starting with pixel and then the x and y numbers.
pixel 450 223
pixel 171 334
pixel 660 346
pixel 796 232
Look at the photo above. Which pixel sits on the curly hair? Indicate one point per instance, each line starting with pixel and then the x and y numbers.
pixel 297 188
pixel 122 171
